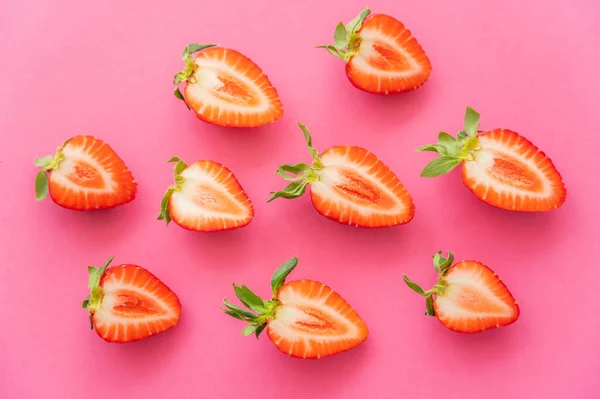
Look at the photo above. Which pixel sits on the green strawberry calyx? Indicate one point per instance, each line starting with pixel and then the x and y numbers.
pixel 442 265
pixel 346 39
pixel 301 174
pixel 187 73
pixel 164 204
pixel 454 150
pixel 259 311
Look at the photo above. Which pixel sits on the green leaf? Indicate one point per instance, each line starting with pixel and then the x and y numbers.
pixel 250 299
pixel 178 94
pixel 291 191
pixel 260 329
pixel 437 259
pixel 357 22
pixel 445 263
pixel 440 149
pixel 174 159
pixel 415 287
pixel 314 153
pixel 340 38
pixel 164 206
pixel 238 310
pixel 41 185
pixel 338 53
pixel 86 302
pixel 471 121
pixel 429 306
pixel 445 139
pixel 179 167
pixel 440 166
pixel 249 330
pixel 103 268
pixel 278 278
pixel 299 168
pixel 43 161
pixel 193 48
pixel 461 135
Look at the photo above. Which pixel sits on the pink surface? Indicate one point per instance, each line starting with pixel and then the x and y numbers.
pixel 105 68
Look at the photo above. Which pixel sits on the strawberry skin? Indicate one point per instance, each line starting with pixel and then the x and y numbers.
pixel 500 167
pixel 305 319
pixel 128 303
pixel 85 174
pixel 206 197
pixel 226 88
pixel 349 185
pixel 468 297
pixel 382 55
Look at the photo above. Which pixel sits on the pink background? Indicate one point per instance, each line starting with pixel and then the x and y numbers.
pixel 105 68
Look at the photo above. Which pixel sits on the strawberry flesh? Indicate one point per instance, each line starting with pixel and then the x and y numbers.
pixel 474 300
pixel 229 89
pixel 313 322
pixel 135 305
pixel 90 176
pixel 354 187
pixel 388 59
pixel 509 172
pixel 210 199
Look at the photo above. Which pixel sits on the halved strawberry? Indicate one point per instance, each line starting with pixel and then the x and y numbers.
pixel 206 197
pixel 85 174
pixel 349 185
pixel 382 55
pixel 500 167
pixel 128 303
pixel 304 319
pixel 226 88
pixel 468 297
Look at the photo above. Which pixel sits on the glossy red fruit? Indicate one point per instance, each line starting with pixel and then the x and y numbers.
pixel 349 185
pixel 304 319
pixel 500 167
pixel 382 55
pixel 468 297
pixel 127 303
pixel 226 88
pixel 85 174
pixel 206 197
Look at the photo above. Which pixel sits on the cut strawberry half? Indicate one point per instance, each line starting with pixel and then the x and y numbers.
pixel 468 297
pixel 206 197
pixel 382 55
pixel 500 167
pixel 128 303
pixel 349 185
pixel 304 319
pixel 226 88
pixel 85 174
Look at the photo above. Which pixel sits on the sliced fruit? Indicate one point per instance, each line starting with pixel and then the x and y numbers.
pixel 128 303
pixel 500 167
pixel 382 55
pixel 304 319
pixel 349 185
pixel 468 297
pixel 85 174
pixel 226 88
pixel 206 197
